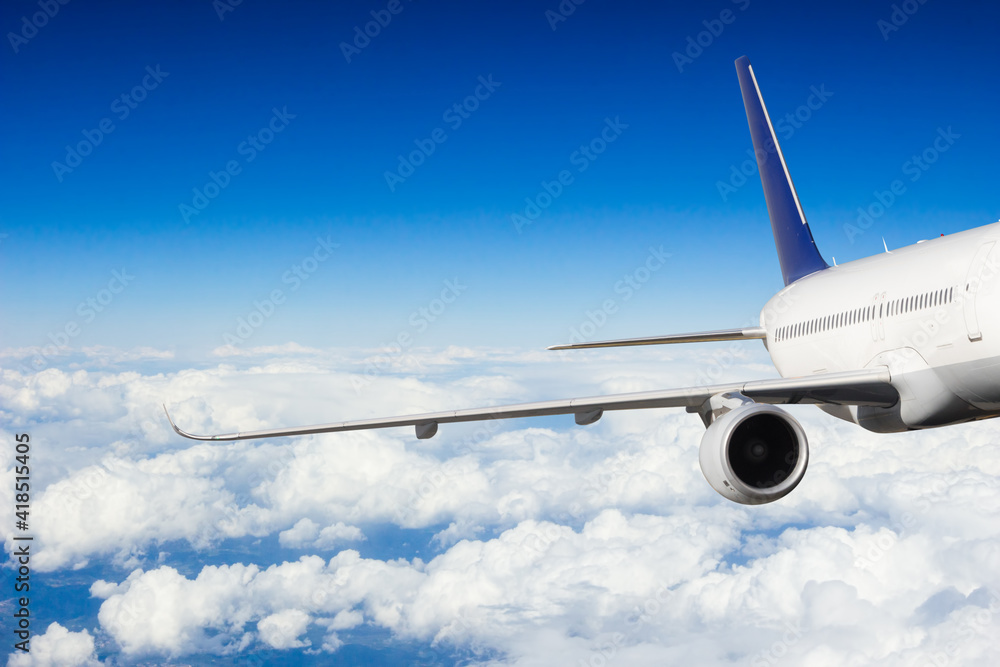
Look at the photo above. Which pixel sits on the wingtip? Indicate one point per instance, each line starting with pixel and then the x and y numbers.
pixel 169 419
pixel 181 432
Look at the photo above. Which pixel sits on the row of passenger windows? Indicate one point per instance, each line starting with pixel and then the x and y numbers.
pixel 866 314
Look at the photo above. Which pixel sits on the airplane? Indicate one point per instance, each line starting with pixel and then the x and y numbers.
pixel 899 341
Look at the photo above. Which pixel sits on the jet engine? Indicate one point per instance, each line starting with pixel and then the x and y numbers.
pixel 754 454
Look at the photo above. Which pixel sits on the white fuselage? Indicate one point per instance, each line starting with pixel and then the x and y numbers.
pixel 927 312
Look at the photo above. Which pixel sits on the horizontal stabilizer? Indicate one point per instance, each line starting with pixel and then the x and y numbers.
pixel 747 333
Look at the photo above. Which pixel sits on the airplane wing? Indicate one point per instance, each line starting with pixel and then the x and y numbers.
pixel 864 387
pixel 746 333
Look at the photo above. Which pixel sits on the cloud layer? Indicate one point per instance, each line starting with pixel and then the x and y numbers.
pixel 546 542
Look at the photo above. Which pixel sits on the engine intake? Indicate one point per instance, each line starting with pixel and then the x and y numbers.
pixel 754 454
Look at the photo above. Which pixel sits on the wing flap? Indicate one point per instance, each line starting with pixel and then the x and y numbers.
pixel 866 387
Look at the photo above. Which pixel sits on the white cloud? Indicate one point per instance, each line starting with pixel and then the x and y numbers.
pixel 337 533
pixel 288 349
pixel 302 533
pixel 642 586
pixel 57 647
pixel 307 533
pixel 123 506
pixel 281 629
pixel 115 355
pixel 162 612
pixel 551 543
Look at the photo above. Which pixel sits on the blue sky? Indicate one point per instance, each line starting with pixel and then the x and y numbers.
pixel 324 174
pixel 530 543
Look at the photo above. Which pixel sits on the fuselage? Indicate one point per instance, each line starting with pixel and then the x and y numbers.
pixel 927 312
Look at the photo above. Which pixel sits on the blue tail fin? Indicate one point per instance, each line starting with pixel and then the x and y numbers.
pixel 797 250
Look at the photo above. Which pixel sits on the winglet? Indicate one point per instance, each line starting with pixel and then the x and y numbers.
pixel 797 250
pixel 207 438
pixel 172 424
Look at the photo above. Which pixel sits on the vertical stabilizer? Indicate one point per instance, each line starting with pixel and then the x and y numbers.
pixel 797 250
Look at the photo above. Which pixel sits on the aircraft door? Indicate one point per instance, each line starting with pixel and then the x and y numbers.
pixel 880 315
pixel 877 317
pixel 972 282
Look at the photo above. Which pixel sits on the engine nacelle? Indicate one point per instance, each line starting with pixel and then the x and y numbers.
pixel 754 454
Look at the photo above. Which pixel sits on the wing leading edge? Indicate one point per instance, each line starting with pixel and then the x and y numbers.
pixel 867 387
